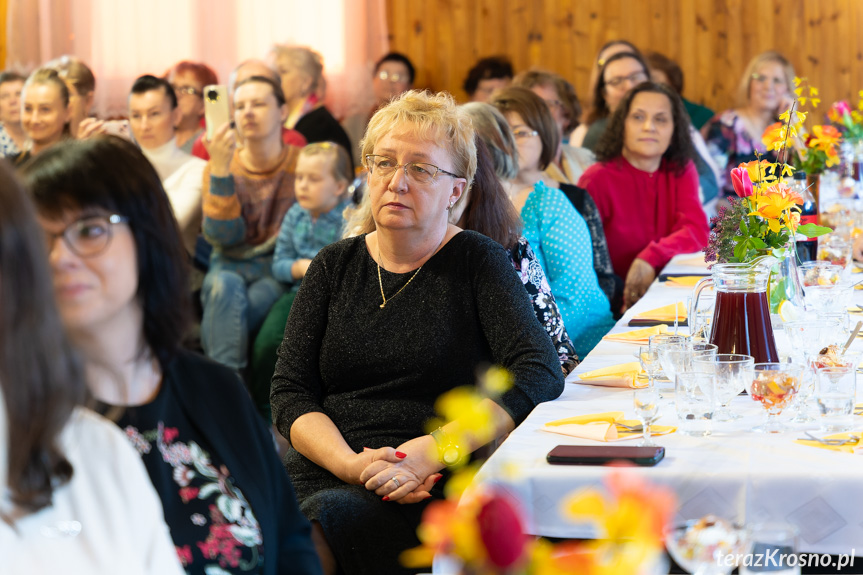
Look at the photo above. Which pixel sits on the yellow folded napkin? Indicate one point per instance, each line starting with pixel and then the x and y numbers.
pixel 623 375
pixel 683 281
pixel 638 335
pixel 693 261
pixel 665 313
pixel 847 448
pixel 601 427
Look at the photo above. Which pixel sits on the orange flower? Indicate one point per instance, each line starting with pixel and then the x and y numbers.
pixel 774 136
pixel 773 203
pixel 824 138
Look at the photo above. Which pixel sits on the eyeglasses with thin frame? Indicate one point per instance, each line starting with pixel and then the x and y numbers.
pixel 521 133
pixel 419 172
pixel 88 236
pixel 391 76
pixel 634 78
pixel 762 79
pixel 186 90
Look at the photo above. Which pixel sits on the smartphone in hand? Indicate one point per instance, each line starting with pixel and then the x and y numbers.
pixel 216 109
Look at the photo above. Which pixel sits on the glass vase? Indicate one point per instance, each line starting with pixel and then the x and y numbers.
pixel 784 292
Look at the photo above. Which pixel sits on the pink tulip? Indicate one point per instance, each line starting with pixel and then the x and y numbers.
pixel 838 111
pixel 741 182
pixel 501 532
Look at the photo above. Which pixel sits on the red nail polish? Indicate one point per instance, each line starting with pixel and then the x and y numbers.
pixel 385 498
pixel 427 496
pixel 401 455
pixel 438 478
pixel 369 448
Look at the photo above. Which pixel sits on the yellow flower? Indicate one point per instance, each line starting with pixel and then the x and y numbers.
pixel 759 172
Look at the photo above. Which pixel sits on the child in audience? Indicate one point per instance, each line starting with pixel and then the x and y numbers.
pixel 322 177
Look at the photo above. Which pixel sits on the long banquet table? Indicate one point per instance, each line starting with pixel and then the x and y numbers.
pixel 734 473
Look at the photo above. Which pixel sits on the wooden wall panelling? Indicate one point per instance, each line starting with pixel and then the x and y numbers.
pixel 712 40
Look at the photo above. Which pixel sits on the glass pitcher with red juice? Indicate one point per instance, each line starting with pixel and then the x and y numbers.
pixel 741 315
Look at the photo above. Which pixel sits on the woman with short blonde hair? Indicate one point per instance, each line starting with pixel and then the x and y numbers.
pixel 383 324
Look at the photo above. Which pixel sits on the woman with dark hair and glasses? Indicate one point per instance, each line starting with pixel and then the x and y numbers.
pixel 74 496
pixel 120 284
pixel 646 187
pixel 571 251
pixel 617 76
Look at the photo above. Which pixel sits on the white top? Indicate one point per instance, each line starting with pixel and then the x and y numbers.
pixel 107 519
pixel 182 176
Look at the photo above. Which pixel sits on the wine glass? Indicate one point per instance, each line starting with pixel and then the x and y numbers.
pixel 774 385
pixel 649 358
pixel 646 402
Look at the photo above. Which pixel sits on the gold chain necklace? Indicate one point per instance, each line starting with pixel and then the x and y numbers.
pixel 381 282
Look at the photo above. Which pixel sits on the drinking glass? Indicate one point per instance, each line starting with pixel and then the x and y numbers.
pixel 646 403
pixel 774 544
pixel 675 357
pixel 819 273
pixel 695 400
pixel 708 546
pixel 774 385
pixel 700 324
pixel 827 298
pixel 808 338
pixel 836 387
pixel 733 373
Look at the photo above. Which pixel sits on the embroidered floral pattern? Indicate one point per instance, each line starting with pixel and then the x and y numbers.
pixel 527 266
pixel 730 145
pixel 231 524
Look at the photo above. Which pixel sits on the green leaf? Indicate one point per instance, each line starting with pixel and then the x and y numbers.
pixel 813 230
pixel 744 229
pixel 758 243
pixel 777 294
pixel 740 250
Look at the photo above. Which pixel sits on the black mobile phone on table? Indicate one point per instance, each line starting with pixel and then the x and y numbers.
pixel 604 454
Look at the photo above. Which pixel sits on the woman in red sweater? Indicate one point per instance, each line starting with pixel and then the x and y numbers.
pixel 646 187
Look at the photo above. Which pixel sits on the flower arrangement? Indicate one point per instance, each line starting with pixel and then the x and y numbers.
pixel 483 529
pixel 765 216
pixel 812 151
pixel 847 121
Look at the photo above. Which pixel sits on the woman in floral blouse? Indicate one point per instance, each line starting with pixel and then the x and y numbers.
pixel 734 136
pixel 120 281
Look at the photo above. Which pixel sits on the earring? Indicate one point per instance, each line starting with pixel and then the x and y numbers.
pixel 451 204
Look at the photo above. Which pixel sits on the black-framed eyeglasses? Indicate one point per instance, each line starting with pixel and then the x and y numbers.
pixel 88 236
pixel 186 90
pixel 419 172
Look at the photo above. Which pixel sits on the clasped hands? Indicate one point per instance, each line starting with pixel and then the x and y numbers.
pixel 406 474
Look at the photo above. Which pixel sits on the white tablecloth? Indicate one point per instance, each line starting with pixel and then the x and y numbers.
pixel 735 473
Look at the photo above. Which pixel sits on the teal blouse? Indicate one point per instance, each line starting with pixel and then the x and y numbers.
pixel 562 243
